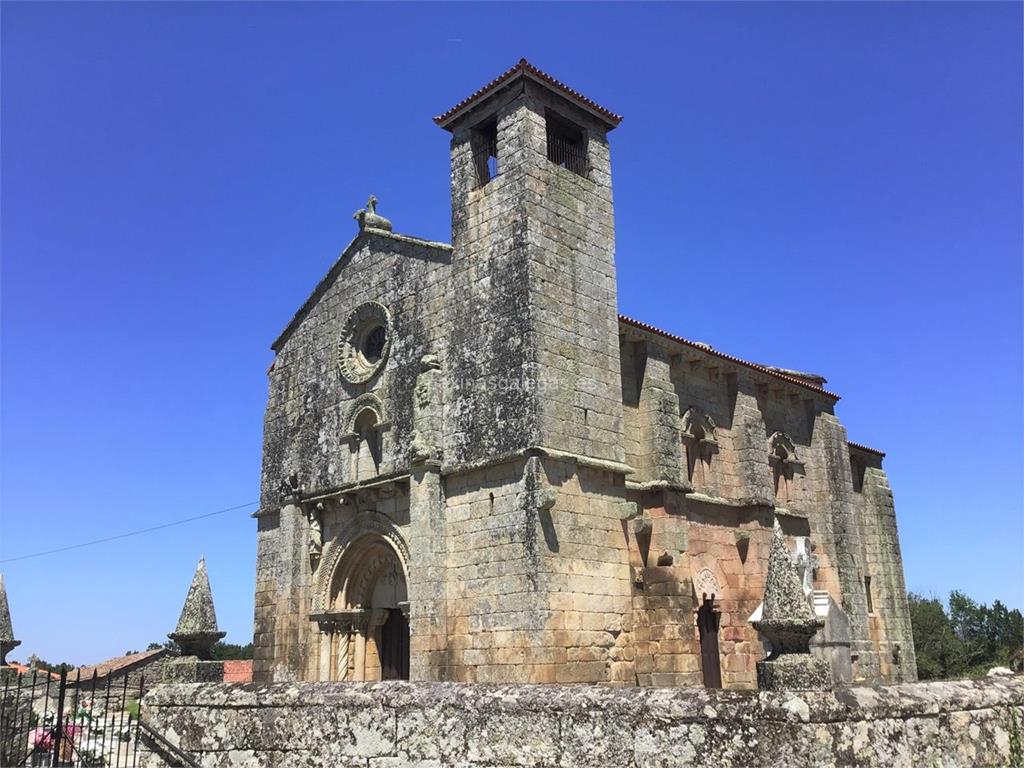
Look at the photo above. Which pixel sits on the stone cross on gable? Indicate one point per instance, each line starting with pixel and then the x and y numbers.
pixel 806 562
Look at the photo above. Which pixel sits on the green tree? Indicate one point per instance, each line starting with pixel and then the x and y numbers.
pixel 64 666
pixel 940 652
pixel 968 641
pixel 1006 632
pixel 970 624
pixel 223 651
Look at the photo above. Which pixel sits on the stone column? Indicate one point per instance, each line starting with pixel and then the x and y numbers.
pixel 326 648
pixel 335 631
pixel 427 609
pixel 361 628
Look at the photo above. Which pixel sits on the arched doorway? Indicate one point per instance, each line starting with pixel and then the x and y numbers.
pixel 368 589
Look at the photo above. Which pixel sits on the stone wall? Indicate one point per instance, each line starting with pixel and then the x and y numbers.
pixel 699 431
pixel 967 723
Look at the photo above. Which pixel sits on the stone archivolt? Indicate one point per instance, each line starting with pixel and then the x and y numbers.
pixel 345 550
pixel 367 404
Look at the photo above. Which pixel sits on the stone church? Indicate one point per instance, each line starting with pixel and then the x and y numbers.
pixel 476 470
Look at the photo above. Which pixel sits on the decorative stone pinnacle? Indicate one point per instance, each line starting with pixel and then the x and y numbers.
pixel 787 619
pixel 368 217
pixel 197 626
pixel 7 641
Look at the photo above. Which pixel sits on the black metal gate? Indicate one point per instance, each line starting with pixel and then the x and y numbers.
pixel 51 720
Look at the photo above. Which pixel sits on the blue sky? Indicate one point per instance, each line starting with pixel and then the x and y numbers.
pixel 833 187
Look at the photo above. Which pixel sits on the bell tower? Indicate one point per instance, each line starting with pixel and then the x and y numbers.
pixel 532 316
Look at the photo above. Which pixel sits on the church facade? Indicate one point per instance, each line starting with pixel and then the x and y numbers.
pixel 476 470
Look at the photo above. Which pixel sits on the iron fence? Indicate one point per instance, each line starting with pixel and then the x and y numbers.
pixel 50 720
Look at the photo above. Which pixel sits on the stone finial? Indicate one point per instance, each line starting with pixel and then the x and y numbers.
pixel 784 598
pixel 7 641
pixel 788 622
pixel 197 626
pixel 368 217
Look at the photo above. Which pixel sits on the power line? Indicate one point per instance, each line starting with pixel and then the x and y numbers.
pixel 126 535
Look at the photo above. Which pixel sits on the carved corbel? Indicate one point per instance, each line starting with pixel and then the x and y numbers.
pixel 546 498
pixel 290 489
pixel 628 510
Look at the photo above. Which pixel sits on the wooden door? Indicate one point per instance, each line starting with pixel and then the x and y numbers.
pixel 707 624
pixel 394 651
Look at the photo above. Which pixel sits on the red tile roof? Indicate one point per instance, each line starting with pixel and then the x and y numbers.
pixel 238 671
pixel 526 69
pixel 864 448
pixel 703 348
pixel 22 669
pixel 118 664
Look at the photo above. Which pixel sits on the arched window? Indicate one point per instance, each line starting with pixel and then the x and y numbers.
pixel 367 430
pixel 365 426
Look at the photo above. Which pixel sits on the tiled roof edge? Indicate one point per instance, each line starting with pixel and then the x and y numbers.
pixel 526 67
pixel 760 368
pixel 865 448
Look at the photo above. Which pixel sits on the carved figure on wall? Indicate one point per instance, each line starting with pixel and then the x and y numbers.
pixel 316 531
pixel 705 585
pixel 368 217
pixel 426 408
pixel 806 562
